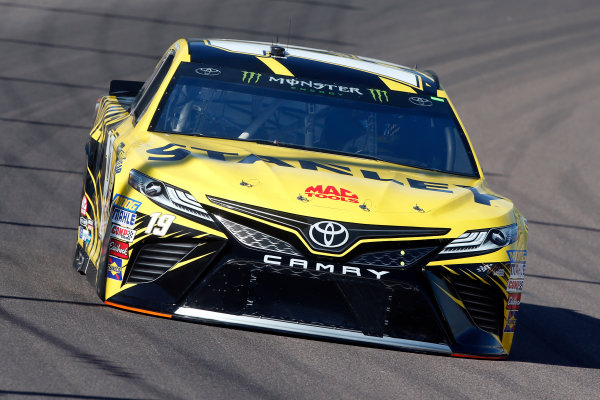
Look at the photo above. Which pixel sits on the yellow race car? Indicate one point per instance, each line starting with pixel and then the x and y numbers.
pixel 302 191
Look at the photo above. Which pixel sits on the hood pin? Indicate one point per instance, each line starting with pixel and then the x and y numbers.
pixel 246 184
pixel 301 198
pixel 364 207
pixel 419 209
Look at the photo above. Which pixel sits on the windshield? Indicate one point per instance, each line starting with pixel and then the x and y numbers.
pixel 414 130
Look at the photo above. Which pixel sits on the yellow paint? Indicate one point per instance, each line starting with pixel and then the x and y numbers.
pixel 170 234
pixel 502 279
pixel 113 287
pixel 467 273
pixel 397 86
pixel 138 238
pixel 275 66
pixel 451 270
pixel 457 301
pixel 481 279
pixel 181 264
pixel 94 244
pixel 503 288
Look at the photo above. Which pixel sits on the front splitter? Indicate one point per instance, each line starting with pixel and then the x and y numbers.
pixel 310 330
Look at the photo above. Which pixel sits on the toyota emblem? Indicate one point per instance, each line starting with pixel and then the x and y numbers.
pixel 419 101
pixel 328 234
pixel 208 71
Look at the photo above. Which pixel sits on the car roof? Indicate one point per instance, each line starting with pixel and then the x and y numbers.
pixel 307 63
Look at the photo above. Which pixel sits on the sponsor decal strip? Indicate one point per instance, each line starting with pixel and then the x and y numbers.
pixel 177 152
pixel 318 86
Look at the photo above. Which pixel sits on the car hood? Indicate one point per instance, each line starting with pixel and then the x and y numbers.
pixel 317 184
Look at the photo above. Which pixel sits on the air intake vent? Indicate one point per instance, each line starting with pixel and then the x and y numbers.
pixel 155 259
pixel 482 303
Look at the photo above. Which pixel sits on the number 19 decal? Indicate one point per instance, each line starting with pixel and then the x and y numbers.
pixel 159 225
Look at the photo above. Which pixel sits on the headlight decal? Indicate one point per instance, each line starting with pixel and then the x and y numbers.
pixel 482 241
pixel 168 196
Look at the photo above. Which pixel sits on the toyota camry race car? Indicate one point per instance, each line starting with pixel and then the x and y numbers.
pixel 301 191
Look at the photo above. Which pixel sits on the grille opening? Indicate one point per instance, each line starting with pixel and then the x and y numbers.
pixel 483 303
pixel 393 258
pixel 319 298
pixel 155 259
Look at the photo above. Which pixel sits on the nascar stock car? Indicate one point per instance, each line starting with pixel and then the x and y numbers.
pixel 302 191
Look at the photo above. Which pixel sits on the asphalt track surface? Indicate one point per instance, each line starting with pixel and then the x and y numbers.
pixel 525 79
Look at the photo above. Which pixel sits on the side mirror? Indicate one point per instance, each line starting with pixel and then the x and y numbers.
pixel 125 88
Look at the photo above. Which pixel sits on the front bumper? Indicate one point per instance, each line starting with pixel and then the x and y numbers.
pixel 444 309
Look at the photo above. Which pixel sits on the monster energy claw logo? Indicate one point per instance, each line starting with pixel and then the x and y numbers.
pixel 379 95
pixel 248 76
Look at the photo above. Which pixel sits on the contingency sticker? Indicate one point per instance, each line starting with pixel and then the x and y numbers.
pixel 84 205
pixel 126 203
pixel 518 260
pixel 115 269
pixel 122 233
pixel 118 249
pixel 332 193
pixel 514 301
pixel 511 322
pixel 515 285
pixel 84 234
pixel 124 218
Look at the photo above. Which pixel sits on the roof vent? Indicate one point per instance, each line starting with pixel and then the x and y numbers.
pixel 277 51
